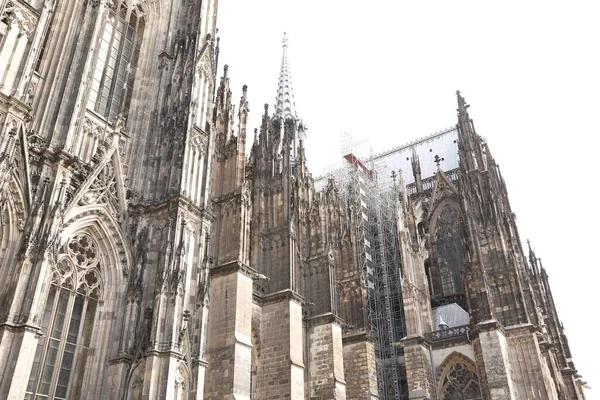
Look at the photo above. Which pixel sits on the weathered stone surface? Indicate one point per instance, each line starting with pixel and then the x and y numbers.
pixel 143 255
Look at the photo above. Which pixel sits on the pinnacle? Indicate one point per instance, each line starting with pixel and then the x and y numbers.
pixel 285 106
pixel 462 104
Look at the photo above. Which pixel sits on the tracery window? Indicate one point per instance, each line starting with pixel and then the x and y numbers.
pixel 460 383
pixel 117 56
pixel 67 322
pixel 449 251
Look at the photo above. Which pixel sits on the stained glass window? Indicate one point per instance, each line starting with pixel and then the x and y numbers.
pixel 449 251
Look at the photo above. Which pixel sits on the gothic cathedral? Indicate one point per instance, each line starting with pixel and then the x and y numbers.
pixel 145 255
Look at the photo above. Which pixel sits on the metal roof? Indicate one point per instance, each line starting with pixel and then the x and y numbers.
pixel 443 144
pixel 451 314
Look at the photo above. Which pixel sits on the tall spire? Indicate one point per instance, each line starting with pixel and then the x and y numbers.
pixel 285 107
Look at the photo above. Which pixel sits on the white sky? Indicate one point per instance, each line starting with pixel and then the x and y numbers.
pixel 388 71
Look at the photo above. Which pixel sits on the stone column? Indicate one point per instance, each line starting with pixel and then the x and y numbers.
pixel 117 376
pixel 359 367
pixel 326 359
pixel 229 347
pixel 280 373
pixel 22 344
pixel 419 375
pixel 493 362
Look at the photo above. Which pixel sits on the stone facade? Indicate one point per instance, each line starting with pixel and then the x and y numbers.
pixel 461 247
pixel 144 255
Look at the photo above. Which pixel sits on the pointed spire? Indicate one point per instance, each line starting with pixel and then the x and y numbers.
pixel 285 107
pixel 243 113
pixel 533 261
pixel 463 114
pixel 469 143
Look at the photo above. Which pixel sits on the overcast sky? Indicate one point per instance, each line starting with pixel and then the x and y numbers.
pixel 388 71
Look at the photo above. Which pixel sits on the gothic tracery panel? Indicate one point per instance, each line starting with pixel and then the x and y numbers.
pixel 460 382
pixel 103 190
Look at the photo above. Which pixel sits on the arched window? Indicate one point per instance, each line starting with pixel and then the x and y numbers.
pixel 67 322
pixel 460 382
pixel 117 57
pixel 449 252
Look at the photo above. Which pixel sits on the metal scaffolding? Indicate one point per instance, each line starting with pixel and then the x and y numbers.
pixel 372 196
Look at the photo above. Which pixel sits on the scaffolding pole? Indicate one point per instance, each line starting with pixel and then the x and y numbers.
pixel 389 304
pixel 372 196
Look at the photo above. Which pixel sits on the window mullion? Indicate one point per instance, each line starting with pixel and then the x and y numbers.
pixel 109 50
pixel 62 343
pixel 131 60
pixel 47 335
pixel 78 345
pixel 119 57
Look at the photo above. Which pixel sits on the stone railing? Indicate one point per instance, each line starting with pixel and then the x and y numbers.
pixel 429 183
pixel 448 333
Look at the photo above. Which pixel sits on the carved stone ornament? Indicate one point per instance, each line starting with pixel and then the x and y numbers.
pixel 78 266
pixel 17 15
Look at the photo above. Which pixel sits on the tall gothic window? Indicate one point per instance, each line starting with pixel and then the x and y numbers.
pixel 117 56
pixel 67 322
pixel 449 251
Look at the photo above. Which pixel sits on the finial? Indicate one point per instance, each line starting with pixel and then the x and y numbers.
pixel 437 160
pixel 245 88
pixel 266 108
pixel 225 69
pixel 542 266
pixel 442 324
pixel 285 39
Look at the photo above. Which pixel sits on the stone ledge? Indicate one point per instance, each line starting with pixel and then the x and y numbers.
pixel 413 340
pixel 282 295
pixel 322 319
pixel 165 353
pixel 486 326
pixel 356 338
pixel 515 330
pixel 231 267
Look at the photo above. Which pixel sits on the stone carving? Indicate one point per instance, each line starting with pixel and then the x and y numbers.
pixel 103 190
pixel 78 266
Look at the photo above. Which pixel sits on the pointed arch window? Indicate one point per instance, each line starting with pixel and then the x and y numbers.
pixel 460 383
pixel 67 322
pixel 446 278
pixel 112 81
